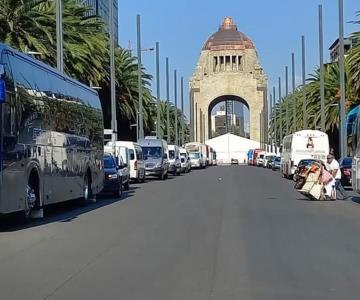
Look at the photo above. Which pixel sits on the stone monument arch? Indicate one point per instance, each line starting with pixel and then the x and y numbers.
pixel 228 68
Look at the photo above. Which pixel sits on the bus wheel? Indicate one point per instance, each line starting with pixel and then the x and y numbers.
pixel 32 195
pixel 87 192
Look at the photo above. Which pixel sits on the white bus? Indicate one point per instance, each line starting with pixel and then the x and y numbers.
pixel 302 145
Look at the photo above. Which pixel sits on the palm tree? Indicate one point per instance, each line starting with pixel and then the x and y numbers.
pixel 31 25
pixel 354 60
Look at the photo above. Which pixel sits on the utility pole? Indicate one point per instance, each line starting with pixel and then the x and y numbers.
pixel 112 73
pixel 293 90
pixel 271 129
pixel 343 135
pixel 304 82
pixel 141 115
pixel 275 115
pixel 280 113
pixel 168 101
pixel 59 36
pixel 182 110
pixel 158 121
pixel 287 100
pixel 176 107
pixel 322 88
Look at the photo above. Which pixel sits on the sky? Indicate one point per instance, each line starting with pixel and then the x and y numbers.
pixel 182 27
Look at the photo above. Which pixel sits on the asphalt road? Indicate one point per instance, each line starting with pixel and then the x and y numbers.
pixel 221 233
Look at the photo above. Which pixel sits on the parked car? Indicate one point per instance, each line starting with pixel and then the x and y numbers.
pixel 260 159
pixel 268 160
pixel 113 180
pixel 302 164
pixel 234 161
pixel 124 172
pixel 185 161
pixel 345 167
pixel 136 160
pixel 174 160
pixel 156 157
pixel 276 163
pixel 122 157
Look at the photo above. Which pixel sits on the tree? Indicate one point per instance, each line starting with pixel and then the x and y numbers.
pixel 354 60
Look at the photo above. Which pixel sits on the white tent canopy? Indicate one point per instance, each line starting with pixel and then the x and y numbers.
pixel 230 146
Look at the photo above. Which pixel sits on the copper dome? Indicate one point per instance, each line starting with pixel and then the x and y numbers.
pixel 228 38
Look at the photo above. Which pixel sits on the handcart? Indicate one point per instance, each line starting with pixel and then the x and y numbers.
pixel 311 181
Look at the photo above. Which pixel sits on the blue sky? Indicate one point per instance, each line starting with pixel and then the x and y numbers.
pixel 275 27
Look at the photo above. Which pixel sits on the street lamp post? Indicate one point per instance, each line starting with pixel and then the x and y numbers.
pixel 275 129
pixel 303 81
pixel 168 101
pixel 182 110
pixel 176 107
pixel 112 73
pixel 158 128
pixel 343 135
pixel 293 89
pixel 280 112
pixel 321 50
pixel 140 91
pixel 59 36
pixel 286 94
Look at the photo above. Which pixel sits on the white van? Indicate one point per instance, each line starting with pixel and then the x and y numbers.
pixel 185 161
pixel 302 145
pixel 197 153
pixel 137 164
pixel 174 160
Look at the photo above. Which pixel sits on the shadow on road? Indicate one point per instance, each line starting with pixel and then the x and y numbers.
pixel 61 212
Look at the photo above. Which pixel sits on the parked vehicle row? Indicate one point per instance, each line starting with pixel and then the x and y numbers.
pixel 52 142
pixel 150 158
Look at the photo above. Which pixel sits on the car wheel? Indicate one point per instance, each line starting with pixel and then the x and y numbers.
pixel 127 186
pixel 119 192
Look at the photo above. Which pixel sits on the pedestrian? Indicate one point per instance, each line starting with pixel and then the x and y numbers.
pixel 333 167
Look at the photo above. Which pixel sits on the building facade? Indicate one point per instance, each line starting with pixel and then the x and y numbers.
pixel 101 8
pixel 228 70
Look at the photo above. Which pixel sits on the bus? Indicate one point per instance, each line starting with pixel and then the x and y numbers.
pixel 51 138
pixel 303 144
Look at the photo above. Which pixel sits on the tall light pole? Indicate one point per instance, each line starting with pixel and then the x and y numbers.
pixel 280 113
pixel 59 37
pixel 293 89
pixel 287 94
pixel 322 88
pixel 182 110
pixel 168 101
pixel 176 107
pixel 140 91
pixel 303 82
pixel 158 121
pixel 275 129
pixel 112 73
pixel 343 135
pixel 272 123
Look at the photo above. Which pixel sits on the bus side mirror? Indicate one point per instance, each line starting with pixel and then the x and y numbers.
pixel 2 84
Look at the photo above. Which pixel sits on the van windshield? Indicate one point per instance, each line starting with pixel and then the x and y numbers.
pixel 152 152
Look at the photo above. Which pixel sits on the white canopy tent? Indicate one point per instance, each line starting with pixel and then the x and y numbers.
pixel 230 146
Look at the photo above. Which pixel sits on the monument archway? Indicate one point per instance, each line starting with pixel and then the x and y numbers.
pixel 228 114
pixel 228 66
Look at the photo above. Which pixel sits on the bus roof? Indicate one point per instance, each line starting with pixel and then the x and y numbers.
pixel 4 47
